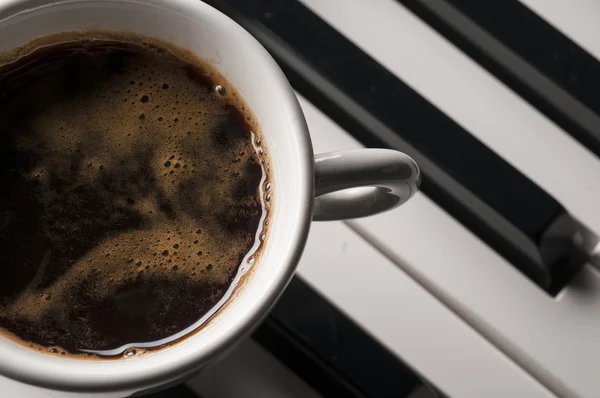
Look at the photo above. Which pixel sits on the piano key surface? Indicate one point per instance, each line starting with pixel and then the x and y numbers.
pixel 419 282
pixel 474 281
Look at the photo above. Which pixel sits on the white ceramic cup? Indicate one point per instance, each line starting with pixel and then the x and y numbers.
pixel 393 178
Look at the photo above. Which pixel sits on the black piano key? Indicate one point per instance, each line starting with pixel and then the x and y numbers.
pixel 527 54
pixel 329 351
pixel 475 185
pixel 180 391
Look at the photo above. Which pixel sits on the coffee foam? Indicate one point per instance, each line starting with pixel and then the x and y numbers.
pixel 147 121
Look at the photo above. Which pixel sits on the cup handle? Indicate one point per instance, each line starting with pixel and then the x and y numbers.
pixel 362 182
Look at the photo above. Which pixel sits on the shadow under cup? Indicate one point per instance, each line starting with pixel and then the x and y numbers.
pixel 217 40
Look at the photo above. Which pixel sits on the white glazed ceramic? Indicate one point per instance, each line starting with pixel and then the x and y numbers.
pixel 242 60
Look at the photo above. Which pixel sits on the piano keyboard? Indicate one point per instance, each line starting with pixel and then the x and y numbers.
pixel 480 285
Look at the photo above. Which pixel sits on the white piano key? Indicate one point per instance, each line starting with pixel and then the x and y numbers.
pixel 576 19
pixel 556 340
pixel 394 308
pixel 250 371
pixel 13 389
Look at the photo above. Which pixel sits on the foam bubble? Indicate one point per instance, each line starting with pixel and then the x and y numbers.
pixel 221 90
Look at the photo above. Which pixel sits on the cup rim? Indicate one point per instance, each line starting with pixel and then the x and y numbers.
pixel 116 378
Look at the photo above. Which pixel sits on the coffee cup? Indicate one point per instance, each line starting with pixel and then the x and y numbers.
pixel 331 186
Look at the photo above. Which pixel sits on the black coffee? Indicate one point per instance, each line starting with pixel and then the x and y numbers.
pixel 130 181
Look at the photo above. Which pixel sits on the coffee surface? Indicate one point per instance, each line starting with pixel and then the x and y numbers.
pixel 130 195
